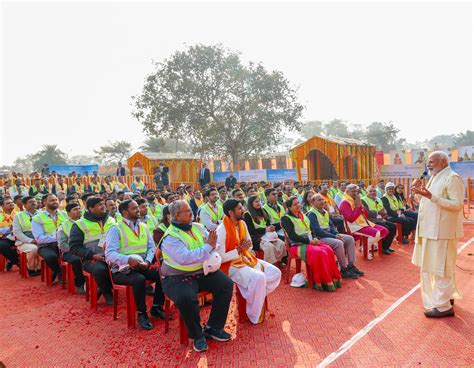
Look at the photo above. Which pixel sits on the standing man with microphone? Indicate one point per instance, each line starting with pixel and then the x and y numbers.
pixel 438 230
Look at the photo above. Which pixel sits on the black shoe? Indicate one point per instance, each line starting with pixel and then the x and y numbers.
pixel 219 335
pixel 144 322
pixel 158 312
pixel 9 266
pixel 348 274
pixel 200 344
pixel 386 251
pixel 149 290
pixel 32 273
pixel 391 250
pixel 109 299
pixel 354 269
pixel 434 313
pixel 81 290
pixel 405 241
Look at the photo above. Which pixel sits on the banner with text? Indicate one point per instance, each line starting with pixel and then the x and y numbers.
pixel 78 169
pixel 400 171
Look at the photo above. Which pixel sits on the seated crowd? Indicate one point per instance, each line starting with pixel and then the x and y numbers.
pixel 187 241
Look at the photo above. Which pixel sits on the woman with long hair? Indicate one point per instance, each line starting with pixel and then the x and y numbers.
pixel 306 202
pixel 404 205
pixel 261 231
pixel 316 254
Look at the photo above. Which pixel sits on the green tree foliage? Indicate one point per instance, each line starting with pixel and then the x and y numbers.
pixel 383 135
pixel 312 128
pixel 464 139
pixel 49 154
pixel 168 145
pixel 114 151
pixel 337 128
pixel 221 107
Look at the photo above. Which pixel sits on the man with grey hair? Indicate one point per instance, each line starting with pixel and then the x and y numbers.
pixel 185 246
pixel 438 230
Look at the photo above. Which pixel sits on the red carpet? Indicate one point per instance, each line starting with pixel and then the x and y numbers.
pixel 45 326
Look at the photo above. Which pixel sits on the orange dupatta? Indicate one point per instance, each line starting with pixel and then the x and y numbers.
pixel 232 241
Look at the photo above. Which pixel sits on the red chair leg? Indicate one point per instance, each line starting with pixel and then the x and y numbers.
pixel 399 233
pixel 309 274
pixel 115 294
pixel 241 305
pixel 63 276
pixel 93 291
pixel 23 265
pixel 298 265
pixel 70 278
pixel 365 247
pixel 88 288
pixel 380 250
pixel 43 270
pixel 183 332
pixel 288 268
pixel 49 276
pixel 167 313
pixel 131 308
pixel 3 263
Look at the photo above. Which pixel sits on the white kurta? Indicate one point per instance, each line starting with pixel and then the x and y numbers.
pixel 438 230
pixel 254 283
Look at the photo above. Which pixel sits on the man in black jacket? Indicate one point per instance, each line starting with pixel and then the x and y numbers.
pixel 86 241
pixel 204 175
pixel 230 181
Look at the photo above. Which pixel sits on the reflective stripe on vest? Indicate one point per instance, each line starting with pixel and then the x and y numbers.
pixel 49 226
pixel 192 242
pixel 261 225
pixel 66 226
pixel 162 227
pixel 25 221
pixel 156 212
pixel 151 223
pixel 323 219
pixel 301 228
pixel 215 217
pixel 92 230
pixel 275 216
pixel 374 205
pixel 130 243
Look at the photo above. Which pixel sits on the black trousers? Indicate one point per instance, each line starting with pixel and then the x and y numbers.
pixel 76 263
pixel 408 224
pixel 339 224
pixel 8 250
pixel 137 278
pixel 183 291
pixel 100 271
pixel 392 231
pixel 50 253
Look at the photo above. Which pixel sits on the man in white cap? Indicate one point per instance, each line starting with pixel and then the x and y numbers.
pixel 438 230
pixel 254 277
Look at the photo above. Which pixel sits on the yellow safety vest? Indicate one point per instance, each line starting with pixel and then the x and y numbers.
pixel 323 219
pixel 275 216
pixel 49 226
pixel 130 243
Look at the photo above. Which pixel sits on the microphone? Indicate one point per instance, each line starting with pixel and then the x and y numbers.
pixel 425 173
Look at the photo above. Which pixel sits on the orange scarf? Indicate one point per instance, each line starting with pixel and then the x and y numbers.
pixel 232 241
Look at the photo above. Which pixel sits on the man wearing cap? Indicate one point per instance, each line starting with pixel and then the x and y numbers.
pixel 395 214
pixel 439 228
pixel 254 277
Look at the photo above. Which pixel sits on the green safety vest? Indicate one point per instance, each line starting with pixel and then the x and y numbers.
pixel 261 225
pixel 93 233
pixel 67 226
pixel 118 217
pixel 192 242
pixel 374 205
pixel 301 228
pixel 363 193
pixel 130 243
pixel 151 223
pixel 215 217
pixel 162 227
pixel 323 219
pixel 333 192
pixel 157 212
pixel 275 216
pixel 393 201
pixel 47 222
pixel 24 220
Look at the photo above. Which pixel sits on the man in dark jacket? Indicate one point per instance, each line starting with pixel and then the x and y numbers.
pixel 230 181
pixel 204 175
pixel 86 241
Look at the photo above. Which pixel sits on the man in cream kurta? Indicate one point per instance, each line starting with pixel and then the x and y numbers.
pixel 438 230
pixel 254 283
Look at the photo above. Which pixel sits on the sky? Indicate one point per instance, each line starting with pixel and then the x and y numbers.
pixel 69 69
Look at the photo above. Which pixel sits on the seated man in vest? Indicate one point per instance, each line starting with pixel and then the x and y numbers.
pixel 7 239
pixel 211 213
pixel 254 277
pixel 77 186
pixel 25 241
pixel 130 251
pixel 340 194
pixel 138 185
pixel 95 186
pixel 185 247
pixel 145 216
pixel 60 186
pixel 355 215
pixel 154 209
pixel 331 207
pixel 274 210
pixel 86 241
pixel 37 189
pixel 44 226
pixel 395 213
pixel 111 206
pixel 378 215
pixel 74 213
pixel 18 189
pixel 342 245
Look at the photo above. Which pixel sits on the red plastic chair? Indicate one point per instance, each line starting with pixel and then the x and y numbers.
pixel 23 265
pixel 399 233
pixel 67 275
pixel 309 272
pixel 46 273
pixel 3 263
pixel 363 240
pixel 91 289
